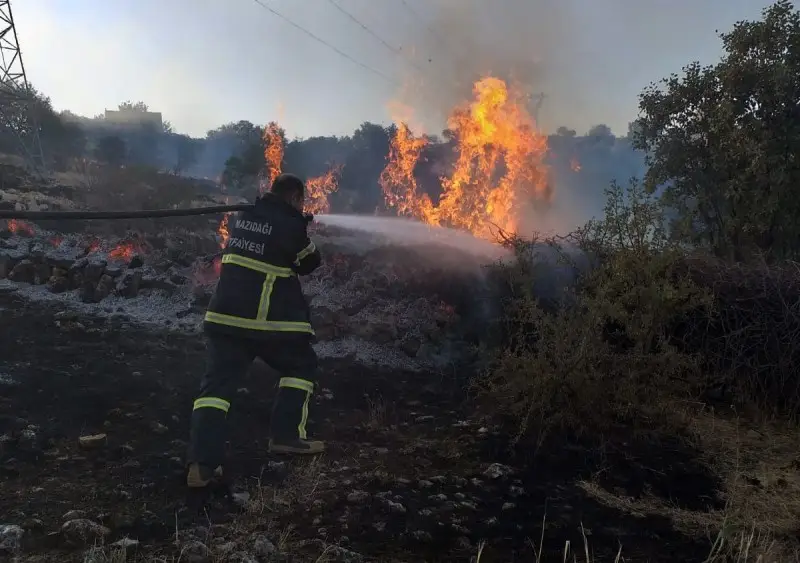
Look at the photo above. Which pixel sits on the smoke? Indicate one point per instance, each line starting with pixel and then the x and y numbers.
pixel 531 43
pixel 540 48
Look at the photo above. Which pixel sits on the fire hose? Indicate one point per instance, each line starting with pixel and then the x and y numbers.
pixel 141 214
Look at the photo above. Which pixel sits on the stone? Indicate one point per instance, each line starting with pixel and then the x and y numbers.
pixel 125 543
pixel 58 284
pixel 497 470
pixel 104 287
pixel 262 546
pixel 10 538
pixel 195 552
pixel 87 291
pixel 129 284
pixel 93 441
pixel 24 271
pixel 7 263
pixel 59 261
pixel 82 532
pixel 357 497
pixel 410 346
pixel 94 269
pixel 42 273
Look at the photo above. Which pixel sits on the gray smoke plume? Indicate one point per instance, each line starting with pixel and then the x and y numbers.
pixel 531 43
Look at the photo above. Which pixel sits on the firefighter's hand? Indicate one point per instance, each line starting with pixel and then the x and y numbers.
pixel 308 217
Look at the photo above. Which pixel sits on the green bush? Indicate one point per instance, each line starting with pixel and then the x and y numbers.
pixel 604 356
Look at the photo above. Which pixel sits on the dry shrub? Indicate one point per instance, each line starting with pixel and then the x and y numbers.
pixel 605 355
pixel 138 187
pixel 750 342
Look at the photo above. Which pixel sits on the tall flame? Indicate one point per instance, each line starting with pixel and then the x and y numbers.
pixel 318 189
pixel 273 152
pixel 222 231
pixel 499 169
pixel 397 179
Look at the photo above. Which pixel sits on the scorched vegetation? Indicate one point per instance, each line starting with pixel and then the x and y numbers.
pixel 625 393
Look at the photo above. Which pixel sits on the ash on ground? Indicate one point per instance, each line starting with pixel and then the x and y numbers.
pixel 372 300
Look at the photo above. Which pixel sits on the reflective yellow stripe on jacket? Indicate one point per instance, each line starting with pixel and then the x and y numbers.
pixel 271 273
pixel 307 251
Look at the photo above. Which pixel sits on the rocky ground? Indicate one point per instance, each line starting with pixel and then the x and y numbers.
pixel 93 429
pixel 101 354
pixel 100 357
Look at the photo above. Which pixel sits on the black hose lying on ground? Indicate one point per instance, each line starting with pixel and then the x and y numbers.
pixel 142 214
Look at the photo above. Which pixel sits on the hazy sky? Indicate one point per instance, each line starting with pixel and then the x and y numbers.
pixel 206 62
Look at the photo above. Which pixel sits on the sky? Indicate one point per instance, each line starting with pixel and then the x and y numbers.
pixel 203 63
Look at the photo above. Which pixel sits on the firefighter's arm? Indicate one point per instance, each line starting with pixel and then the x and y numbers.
pixel 307 257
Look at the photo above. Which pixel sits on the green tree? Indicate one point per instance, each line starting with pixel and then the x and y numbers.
pixel 723 141
pixel 187 151
pixel 130 106
pixel 111 150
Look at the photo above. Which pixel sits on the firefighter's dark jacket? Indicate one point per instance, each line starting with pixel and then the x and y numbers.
pixel 259 293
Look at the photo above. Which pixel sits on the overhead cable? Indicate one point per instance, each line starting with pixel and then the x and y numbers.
pixel 365 27
pixel 320 40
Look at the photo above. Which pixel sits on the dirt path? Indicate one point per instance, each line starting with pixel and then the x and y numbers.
pixel 410 474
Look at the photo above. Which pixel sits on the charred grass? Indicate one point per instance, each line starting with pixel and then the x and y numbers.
pixel 649 415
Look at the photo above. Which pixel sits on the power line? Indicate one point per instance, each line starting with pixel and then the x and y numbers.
pixel 328 45
pixel 395 50
pixel 425 24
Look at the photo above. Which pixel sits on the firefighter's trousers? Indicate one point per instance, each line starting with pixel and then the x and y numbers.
pixel 229 358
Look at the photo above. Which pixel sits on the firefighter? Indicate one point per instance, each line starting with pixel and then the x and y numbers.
pixel 259 310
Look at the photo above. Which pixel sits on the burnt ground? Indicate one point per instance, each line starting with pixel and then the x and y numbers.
pixel 409 474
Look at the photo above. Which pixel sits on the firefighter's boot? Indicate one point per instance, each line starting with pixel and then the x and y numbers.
pixel 289 417
pixel 200 476
pixel 207 442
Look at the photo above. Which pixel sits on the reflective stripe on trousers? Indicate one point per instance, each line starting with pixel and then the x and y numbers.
pixel 302 385
pixel 212 403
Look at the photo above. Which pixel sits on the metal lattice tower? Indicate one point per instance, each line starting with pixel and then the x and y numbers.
pixel 16 98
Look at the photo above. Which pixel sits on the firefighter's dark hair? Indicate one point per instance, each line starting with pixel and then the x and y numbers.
pixel 288 186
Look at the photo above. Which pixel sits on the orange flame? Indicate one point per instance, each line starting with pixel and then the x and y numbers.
pixel 223 232
pixel 318 189
pixel 21 228
pixel 397 179
pixel 126 250
pixel 94 246
pixel 273 152
pixel 500 166
pixel 574 164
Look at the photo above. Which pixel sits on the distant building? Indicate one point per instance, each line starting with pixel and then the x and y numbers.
pixel 132 117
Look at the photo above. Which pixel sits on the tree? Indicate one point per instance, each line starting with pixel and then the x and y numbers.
pixel 111 150
pixel 187 151
pixel 723 141
pixel 366 158
pixel 138 106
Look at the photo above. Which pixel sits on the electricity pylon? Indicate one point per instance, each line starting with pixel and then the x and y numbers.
pixel 17 103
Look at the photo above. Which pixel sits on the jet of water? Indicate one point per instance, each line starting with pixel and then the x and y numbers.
pixel 407 231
